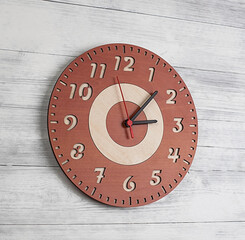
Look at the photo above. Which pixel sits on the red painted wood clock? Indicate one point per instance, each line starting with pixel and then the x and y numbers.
pixel 122 125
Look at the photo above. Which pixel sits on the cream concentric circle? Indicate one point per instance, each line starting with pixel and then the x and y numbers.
pixel 97 125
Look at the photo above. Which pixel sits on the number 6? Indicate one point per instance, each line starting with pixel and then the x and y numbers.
pixel 131 184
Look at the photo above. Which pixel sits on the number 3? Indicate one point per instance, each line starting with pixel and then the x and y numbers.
pixel 179 125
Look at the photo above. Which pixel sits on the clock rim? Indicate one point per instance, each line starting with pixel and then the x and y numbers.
pixel 49 127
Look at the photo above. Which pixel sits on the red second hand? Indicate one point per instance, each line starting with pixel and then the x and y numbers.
pixel 129 122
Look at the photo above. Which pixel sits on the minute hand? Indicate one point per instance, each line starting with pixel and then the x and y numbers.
pixel 143 106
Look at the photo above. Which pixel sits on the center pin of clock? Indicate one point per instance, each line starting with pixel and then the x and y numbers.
pixel 115 123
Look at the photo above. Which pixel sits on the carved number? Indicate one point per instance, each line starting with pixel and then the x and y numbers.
pixel 174 154
pixel 81 91
pixel 179 124
pixel 127 68
pixel 73 89
pixel 77 151
pixel 101 174
pixel 172 97
pixel 70 120
pixel 118 60
pixel 129 186
pixel 156 179
pixel 94 68
pixel 152 71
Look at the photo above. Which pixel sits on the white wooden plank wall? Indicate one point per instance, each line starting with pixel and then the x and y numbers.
pixel 203 40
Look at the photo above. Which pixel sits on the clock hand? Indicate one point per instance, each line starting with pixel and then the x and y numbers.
pixel 144 105
pixel 141 122
pixel 129 121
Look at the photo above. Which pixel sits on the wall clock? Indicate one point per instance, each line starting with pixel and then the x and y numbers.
pixel 122 125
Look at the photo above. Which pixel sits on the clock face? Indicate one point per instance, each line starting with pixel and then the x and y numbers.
pixel 122 125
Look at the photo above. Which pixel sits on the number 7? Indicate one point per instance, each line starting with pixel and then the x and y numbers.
pixel 101 174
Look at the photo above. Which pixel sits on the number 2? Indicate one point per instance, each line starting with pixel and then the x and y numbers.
pixel 172 97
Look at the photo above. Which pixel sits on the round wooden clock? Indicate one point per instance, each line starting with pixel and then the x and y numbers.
pixel 122 125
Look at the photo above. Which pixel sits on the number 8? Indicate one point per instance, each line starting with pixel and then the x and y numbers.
pixel 77 151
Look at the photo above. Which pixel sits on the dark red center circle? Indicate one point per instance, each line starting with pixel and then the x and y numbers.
pixel 115 124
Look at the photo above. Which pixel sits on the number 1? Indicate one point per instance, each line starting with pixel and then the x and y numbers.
pixel 152 71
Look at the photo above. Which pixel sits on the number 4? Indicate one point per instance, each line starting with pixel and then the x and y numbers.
pixel 174 154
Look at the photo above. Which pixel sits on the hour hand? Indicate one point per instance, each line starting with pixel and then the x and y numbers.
pixel 141 122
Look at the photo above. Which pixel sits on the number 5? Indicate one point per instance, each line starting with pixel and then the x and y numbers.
pixel 156 178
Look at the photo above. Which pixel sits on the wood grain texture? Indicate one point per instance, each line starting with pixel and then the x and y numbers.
pixel 66 29
pixel 219 231
pixel 50 198
pixel 203 40
pixel 211 12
